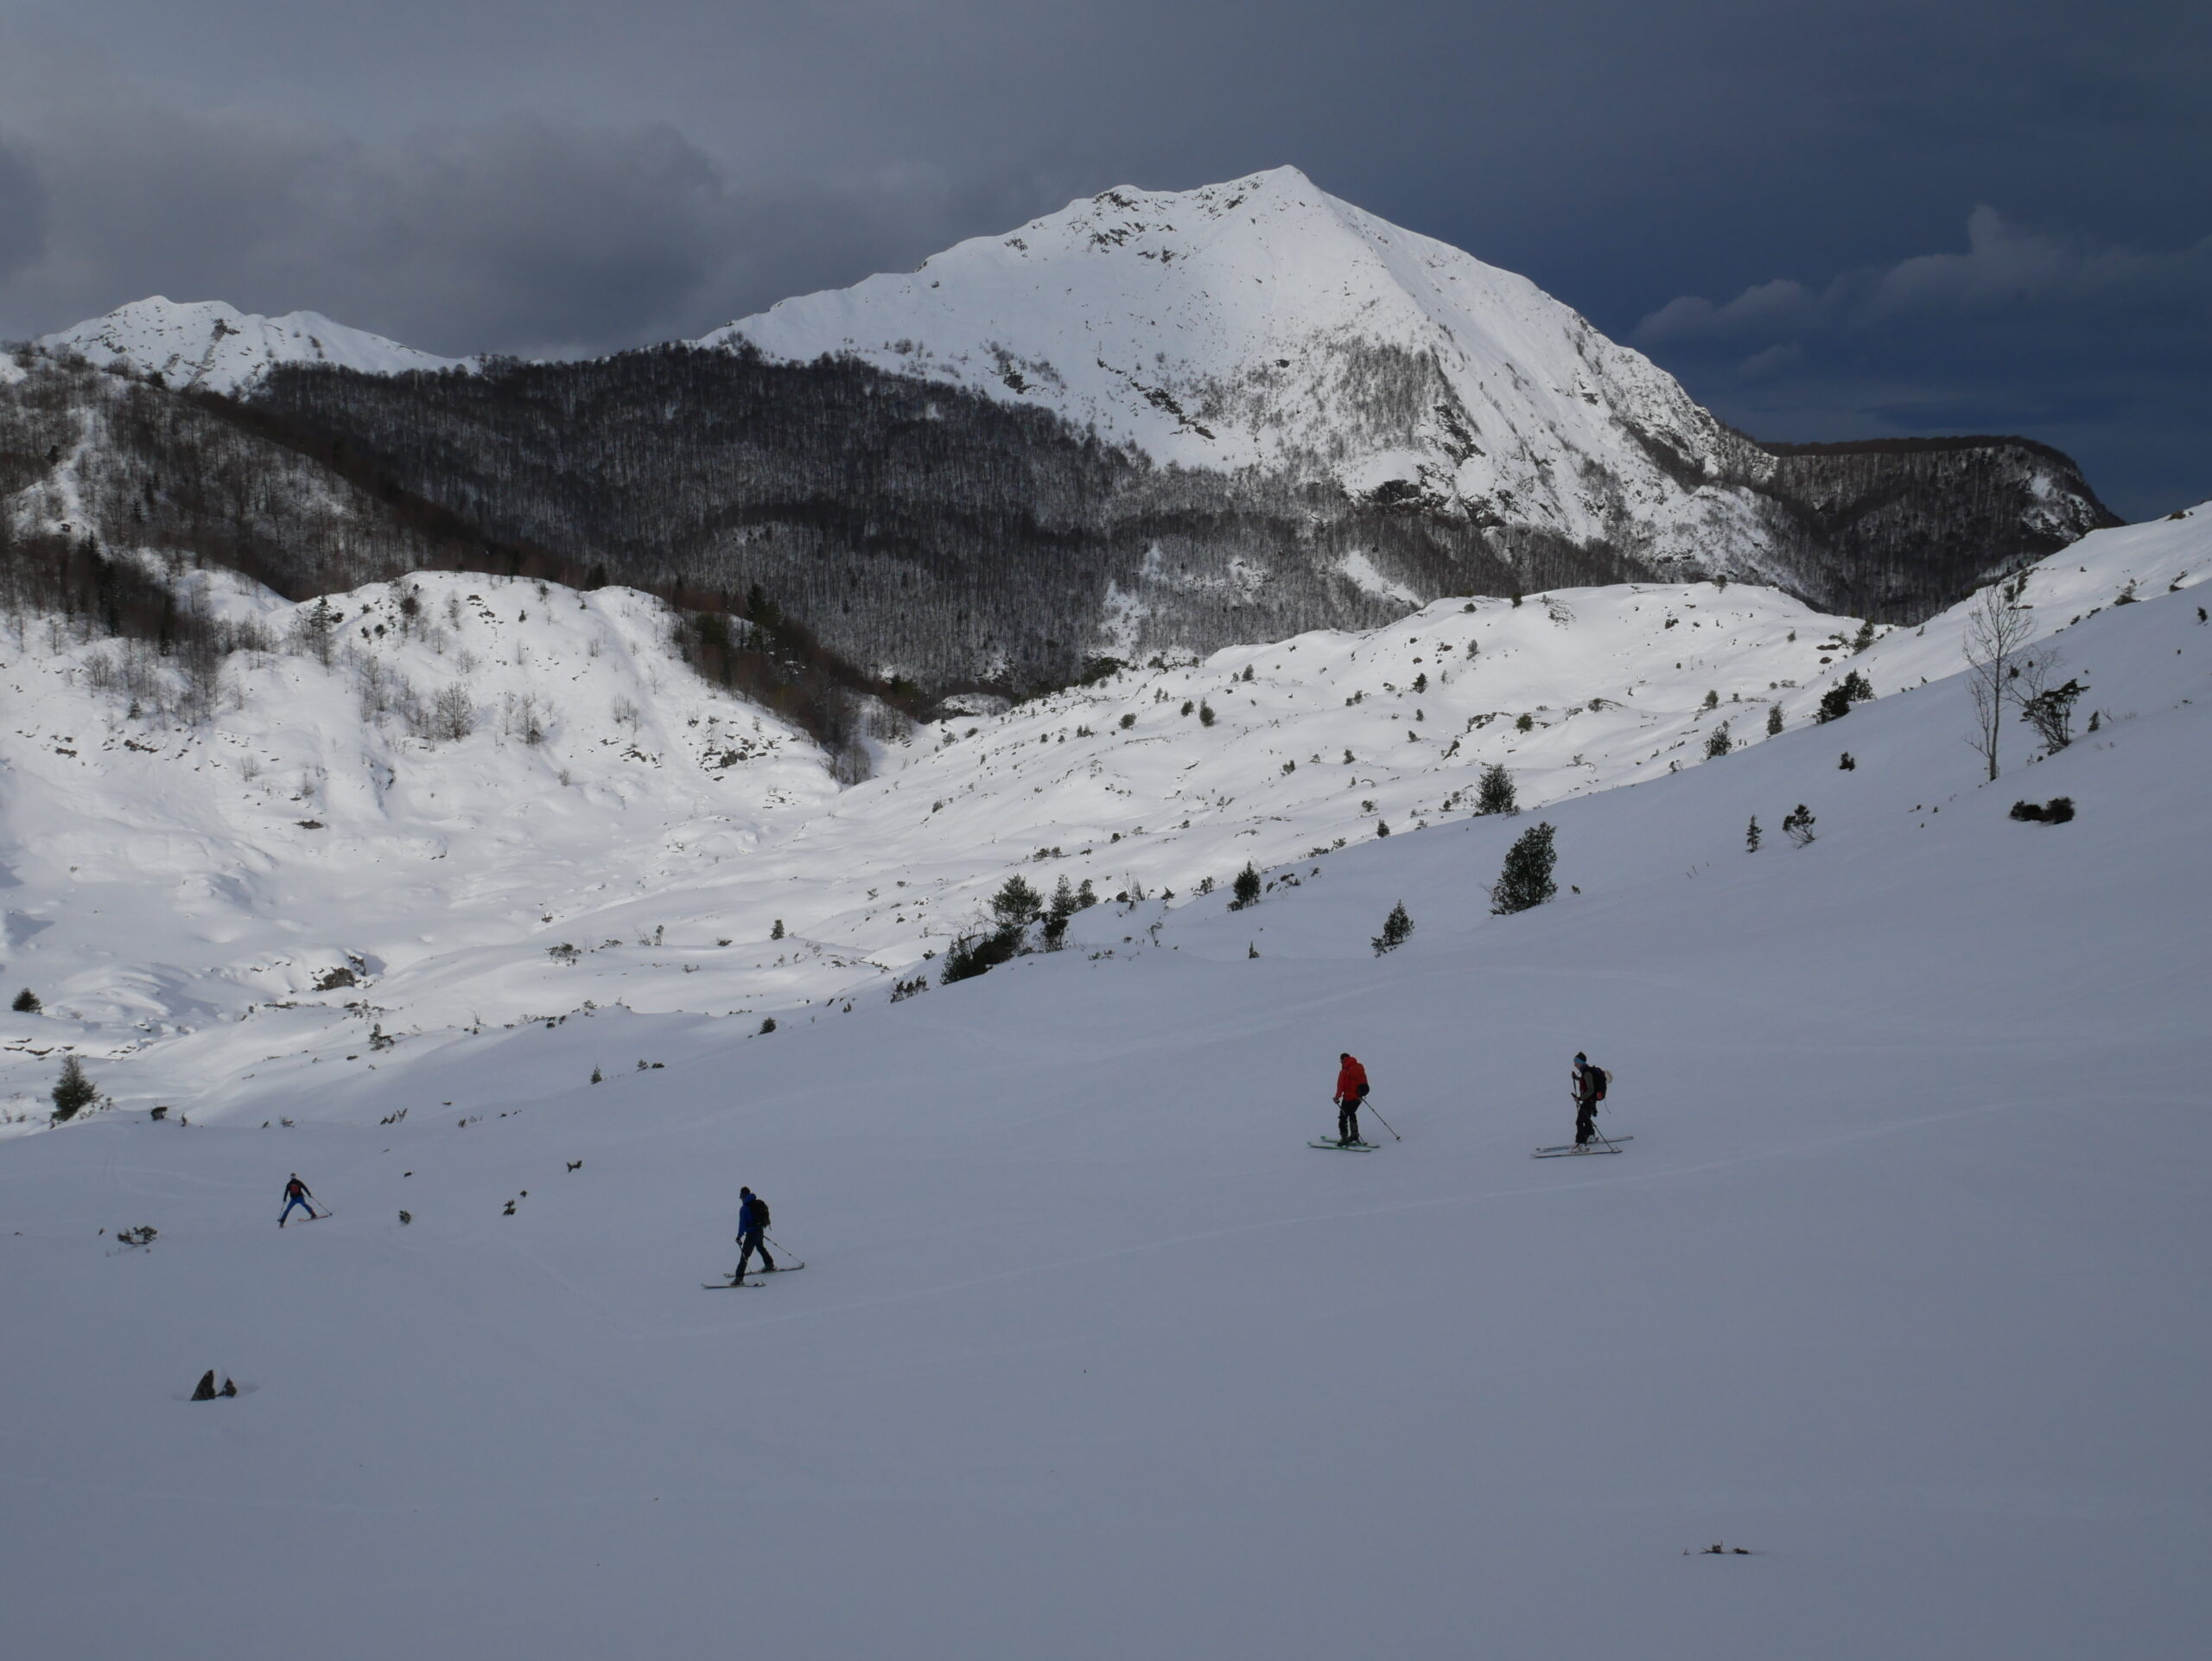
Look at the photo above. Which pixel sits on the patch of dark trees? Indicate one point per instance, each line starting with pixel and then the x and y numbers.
pixel 888 536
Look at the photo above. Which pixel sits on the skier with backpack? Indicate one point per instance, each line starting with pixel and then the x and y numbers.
pixel 1352 1089
pixel 296 1193
pixel 751 1227
pixel 1588 1085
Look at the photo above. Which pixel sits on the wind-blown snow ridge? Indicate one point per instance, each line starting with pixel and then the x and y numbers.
pixel 217 349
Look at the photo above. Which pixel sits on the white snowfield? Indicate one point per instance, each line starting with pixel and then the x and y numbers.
pixel 182 889
pixel 215 347
pixel 1265 322
pixel 1898 1286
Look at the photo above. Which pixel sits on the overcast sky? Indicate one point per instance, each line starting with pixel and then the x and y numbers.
pixel 1830 221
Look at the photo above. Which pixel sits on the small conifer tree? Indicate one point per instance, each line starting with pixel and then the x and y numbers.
pixel 1773 719
pixel 72 1092
pixel 1247 889
pixel 1016 904
pixel 1395 928
pixel 27 1002
pixel 1836 701
pixel 1495 794
pixel 777 933
pixel 1865 636
pixel 1712 700
pixel 1526 879
pixel 1717 744
pixel 1205 715
pixel 1751 837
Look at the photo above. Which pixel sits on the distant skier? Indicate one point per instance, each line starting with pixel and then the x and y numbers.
pixel 296 1193
pixel 752 1231
pixel 1588 1085
pixel 1352 1089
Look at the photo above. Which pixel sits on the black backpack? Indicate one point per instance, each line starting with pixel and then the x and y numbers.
pixel 1599 1080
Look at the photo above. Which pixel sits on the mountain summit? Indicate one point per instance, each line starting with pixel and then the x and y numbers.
pixel 1264 323
pixel 207 344
pixel 1148 423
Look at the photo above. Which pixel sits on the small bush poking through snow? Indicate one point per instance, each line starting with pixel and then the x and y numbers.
pixel 2057 810
pixel 1797 824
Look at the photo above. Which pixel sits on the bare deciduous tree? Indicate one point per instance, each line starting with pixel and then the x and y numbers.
pixel 452 712
pixel 1997 630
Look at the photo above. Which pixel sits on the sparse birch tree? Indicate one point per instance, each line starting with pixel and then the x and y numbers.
pixel 1998 631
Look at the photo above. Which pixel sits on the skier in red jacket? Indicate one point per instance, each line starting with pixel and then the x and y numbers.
pixel 1352 1086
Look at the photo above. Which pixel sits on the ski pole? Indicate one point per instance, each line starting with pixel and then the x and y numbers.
pixel 1384 1122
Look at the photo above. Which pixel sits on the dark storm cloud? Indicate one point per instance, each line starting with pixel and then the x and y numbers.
pixel 2103 350
pixel 572 175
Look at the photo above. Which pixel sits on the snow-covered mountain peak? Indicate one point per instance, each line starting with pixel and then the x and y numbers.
pixel 214 347
pixel 1263 322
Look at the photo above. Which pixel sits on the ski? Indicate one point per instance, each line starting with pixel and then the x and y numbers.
pixel 1572 1152
pixel 1347 1147
pixel 1569 1147
pixel 728 1286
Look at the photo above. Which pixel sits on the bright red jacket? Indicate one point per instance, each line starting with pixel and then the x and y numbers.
pixel 1350 1078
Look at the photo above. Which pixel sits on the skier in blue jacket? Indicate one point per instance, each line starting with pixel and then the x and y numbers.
pixel 752 1231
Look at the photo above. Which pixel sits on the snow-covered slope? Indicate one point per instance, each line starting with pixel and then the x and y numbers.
pixel 1898 1286
pixel 217 349
pixel 1263 322
pixel 644 852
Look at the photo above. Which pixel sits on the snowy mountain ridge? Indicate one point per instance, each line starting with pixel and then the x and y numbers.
pixel 1262 323
pixel 217 349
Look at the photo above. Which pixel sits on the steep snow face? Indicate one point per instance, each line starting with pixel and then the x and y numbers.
pixel 1263 322
pixel 217 349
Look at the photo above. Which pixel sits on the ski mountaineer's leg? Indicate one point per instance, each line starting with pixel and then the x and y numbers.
pixel 767 1263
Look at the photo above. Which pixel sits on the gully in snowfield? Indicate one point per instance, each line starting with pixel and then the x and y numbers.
pixel 751 1226
pixel 1352 1089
